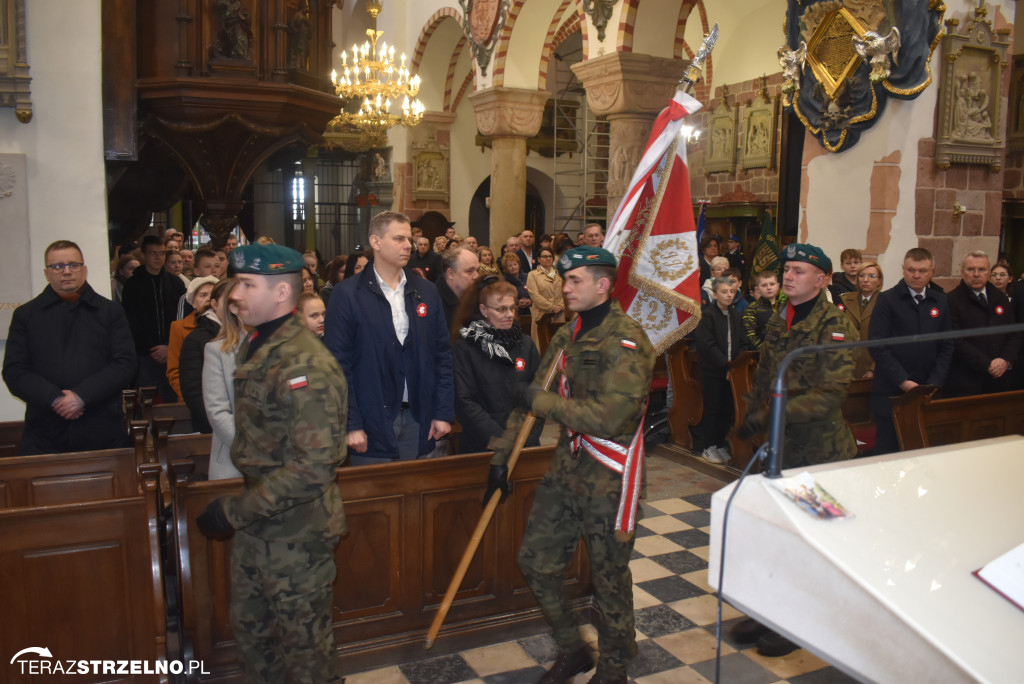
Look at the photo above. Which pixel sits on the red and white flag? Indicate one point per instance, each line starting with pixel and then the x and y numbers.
pixel 654 236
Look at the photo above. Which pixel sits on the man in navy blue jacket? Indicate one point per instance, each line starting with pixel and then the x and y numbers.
pixel 911 307
pixel 387 329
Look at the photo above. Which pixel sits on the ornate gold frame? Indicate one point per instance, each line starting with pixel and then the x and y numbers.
pixel 823 33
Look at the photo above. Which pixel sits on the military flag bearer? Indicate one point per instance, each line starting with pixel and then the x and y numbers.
pixel 595 480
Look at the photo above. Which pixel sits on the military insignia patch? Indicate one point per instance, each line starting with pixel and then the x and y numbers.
pixel 298 383
pixel 838 337
pixel 421 310
pixel 628 344
pixel 934 313
pixel 520 364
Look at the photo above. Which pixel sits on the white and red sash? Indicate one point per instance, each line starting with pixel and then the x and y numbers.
pixel 627 461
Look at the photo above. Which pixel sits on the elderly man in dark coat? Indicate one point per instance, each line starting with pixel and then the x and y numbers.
pixel 69 355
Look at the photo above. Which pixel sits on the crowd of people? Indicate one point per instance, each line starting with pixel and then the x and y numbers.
pixel 736 320
pixel 295 364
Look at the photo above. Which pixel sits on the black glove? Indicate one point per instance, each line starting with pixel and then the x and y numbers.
pixel 525 393
pixel 214 524
pixel 753 424
pixel 497 478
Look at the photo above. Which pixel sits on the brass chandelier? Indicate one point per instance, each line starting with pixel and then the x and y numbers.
pixel 374 80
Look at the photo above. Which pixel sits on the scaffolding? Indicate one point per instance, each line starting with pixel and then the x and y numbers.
pixel 580 177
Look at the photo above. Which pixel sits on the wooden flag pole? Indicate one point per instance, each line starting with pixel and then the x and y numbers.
pixel 485 519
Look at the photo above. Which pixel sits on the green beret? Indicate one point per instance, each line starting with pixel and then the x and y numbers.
pixel 585 256
pixel 808 254
pixel 266 260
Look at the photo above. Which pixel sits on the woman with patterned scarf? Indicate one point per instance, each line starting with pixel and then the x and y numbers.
pixel 491 357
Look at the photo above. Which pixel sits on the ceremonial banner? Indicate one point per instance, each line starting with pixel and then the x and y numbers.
pixel 766 256
pixel 654 237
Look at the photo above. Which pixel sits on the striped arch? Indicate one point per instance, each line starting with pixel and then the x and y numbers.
pixel 627 25
pixel 428 30
pixel 468 81
pixel 450 77
pixel 501 49
pixel 551 42
pixel 680 47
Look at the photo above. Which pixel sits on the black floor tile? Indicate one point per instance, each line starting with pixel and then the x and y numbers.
pixel 680 562
pixel 658 621
pixel 828 675
pixel 524 676
pixel 443 670
pixel 672 588
pixel 699 500
pixel 651 658
pixel 736 669
pixel 727 634
pixel 689 539
pixel 642 531
pixel 694 518
pixel 541 648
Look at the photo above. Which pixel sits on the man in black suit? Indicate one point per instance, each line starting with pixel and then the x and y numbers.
pixel 527 253
pixel 980 365
pixel 909 308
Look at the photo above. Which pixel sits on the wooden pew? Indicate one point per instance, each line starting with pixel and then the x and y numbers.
pixel 741 377
pixel 83 579
pixel 50 479
pixel 924 421
pixel 408 526
pixel 10 437
pixel 178 414
pixel 169 446
pixel 687 398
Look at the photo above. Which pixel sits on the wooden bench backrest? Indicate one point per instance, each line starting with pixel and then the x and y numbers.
pixel 687 399
pixel 84 580
pixel 177 413
pixel 924 421
pixel 408 526
pixel 51 479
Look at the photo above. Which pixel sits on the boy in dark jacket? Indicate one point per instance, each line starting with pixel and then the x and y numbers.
pixel 720 339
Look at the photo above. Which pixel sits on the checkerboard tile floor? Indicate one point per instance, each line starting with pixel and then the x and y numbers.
pixel 675 623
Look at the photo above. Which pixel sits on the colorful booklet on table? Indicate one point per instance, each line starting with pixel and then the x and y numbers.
pixel 1005 575
pixel 806 493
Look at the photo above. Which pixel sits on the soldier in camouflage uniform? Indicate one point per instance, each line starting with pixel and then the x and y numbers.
pixel 816 385
pixel 290 413
pixel 816 431
pixel 602 398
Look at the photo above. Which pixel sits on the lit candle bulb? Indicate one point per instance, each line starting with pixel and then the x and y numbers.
pixel 334 76
pixel 403 60
pixel 344 58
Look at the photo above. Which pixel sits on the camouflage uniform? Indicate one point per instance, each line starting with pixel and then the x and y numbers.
pixel 756 317
pixel 609 384
pixel 291 403
pixel 816 431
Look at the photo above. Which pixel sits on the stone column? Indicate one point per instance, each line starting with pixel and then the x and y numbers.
pixel 509 116
pixel 629 89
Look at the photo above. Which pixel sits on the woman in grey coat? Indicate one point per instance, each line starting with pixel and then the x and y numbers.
pixel 219 386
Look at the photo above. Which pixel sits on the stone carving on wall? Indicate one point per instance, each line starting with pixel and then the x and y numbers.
pixel 759 124
pixel 969 127
pixel 482 23
pixel 15 277
pixel 843 59
pixel 300 32
pixel 382 165
pixel 14 78
pixel 628 147
pixel 721 155
pixel 430 171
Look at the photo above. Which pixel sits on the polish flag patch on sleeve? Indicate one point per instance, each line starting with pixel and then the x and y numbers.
pixel 297 383
pixel 628 344
pixel 838 337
